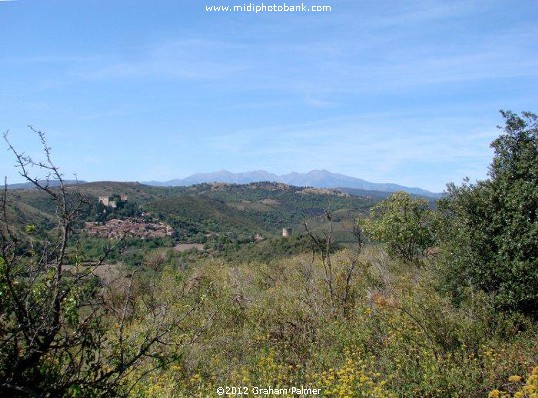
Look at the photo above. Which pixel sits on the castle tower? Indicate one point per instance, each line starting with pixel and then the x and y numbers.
pixel 104 200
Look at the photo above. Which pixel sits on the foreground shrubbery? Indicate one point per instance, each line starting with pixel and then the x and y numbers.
pixel 276 326
pixel 517 386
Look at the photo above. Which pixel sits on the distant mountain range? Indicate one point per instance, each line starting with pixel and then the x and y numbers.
pixel 314 178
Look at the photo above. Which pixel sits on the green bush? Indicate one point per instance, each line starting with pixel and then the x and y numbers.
pixel 491 234
pixel 403 223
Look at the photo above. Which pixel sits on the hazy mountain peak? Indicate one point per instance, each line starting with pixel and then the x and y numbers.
pixel 315 178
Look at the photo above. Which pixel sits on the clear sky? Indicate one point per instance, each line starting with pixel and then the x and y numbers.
pixel 389 91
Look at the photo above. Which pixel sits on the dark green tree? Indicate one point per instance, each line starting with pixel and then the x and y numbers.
pixel 491 229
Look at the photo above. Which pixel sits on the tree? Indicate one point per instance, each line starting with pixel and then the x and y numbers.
pixel 403 223
pixel 491 235
pixel 337 277
pixel 60 332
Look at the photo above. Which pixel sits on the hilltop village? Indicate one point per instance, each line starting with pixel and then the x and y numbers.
pixel 136 227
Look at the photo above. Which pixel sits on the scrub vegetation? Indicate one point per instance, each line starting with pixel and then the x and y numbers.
pixel 369 297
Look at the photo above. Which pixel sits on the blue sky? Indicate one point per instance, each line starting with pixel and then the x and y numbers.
pixel 405 92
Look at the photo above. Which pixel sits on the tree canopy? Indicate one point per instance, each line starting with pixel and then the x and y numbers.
pixel 491 228
pixel 403 223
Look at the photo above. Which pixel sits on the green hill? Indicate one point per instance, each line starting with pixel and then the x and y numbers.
pixel 233 210
pixel 263 208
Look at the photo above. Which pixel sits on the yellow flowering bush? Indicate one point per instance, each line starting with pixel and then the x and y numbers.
pixel 354 378
pixel 517 389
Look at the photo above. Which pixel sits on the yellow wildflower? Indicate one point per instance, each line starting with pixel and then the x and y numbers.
pixel 514 379
pixel 494 394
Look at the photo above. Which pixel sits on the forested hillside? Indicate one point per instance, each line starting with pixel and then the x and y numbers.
pixel 211 209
